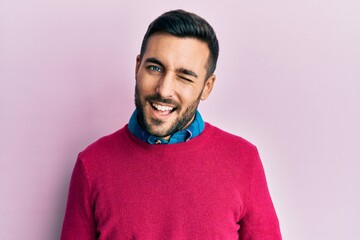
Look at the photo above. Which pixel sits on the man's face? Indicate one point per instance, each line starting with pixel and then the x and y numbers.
pixel 170 82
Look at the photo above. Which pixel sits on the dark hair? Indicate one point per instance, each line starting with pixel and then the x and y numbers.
pixel 183 24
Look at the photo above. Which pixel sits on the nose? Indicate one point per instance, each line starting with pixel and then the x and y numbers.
pixel 166 85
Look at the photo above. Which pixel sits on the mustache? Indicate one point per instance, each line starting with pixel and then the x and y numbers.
pixel 158 98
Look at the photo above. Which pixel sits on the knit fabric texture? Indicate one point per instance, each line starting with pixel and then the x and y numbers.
pixel 211 187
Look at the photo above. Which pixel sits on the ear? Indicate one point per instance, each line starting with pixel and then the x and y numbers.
pixel 209 84
pixel 137 65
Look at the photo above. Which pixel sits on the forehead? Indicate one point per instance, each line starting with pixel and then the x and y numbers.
pixel 178 52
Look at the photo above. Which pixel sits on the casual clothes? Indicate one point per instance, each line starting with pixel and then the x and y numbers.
pixel 212 187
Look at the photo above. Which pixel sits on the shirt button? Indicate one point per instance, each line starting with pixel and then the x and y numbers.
pixel 158 141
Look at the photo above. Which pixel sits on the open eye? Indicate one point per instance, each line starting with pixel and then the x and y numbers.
pixel 154 68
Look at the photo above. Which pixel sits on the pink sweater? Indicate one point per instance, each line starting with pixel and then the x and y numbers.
pixel 211 187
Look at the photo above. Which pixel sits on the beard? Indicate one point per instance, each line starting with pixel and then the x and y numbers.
pixel 153 126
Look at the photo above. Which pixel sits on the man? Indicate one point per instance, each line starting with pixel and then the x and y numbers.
pixel 168 174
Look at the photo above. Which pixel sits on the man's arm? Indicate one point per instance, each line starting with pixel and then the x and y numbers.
pixel 79 220
pixel 260 220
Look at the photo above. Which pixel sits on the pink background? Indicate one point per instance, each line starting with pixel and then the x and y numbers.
pixel 288 80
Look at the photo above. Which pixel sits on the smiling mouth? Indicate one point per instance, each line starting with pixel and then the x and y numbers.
pixel 162 108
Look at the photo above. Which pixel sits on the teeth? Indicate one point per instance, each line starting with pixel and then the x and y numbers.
pixel 162 108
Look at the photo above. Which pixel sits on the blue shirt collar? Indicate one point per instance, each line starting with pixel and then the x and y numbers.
pixel 194 129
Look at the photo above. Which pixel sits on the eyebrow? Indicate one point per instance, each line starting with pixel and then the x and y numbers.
pixel 187 72
pixel 154 60
pixel 179 70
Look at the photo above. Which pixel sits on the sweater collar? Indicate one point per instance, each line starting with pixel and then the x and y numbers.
pixel 194 129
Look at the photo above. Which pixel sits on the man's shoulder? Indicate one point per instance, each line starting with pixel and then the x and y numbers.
pixel 236 149
pixel 226 138
pixel 105 145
